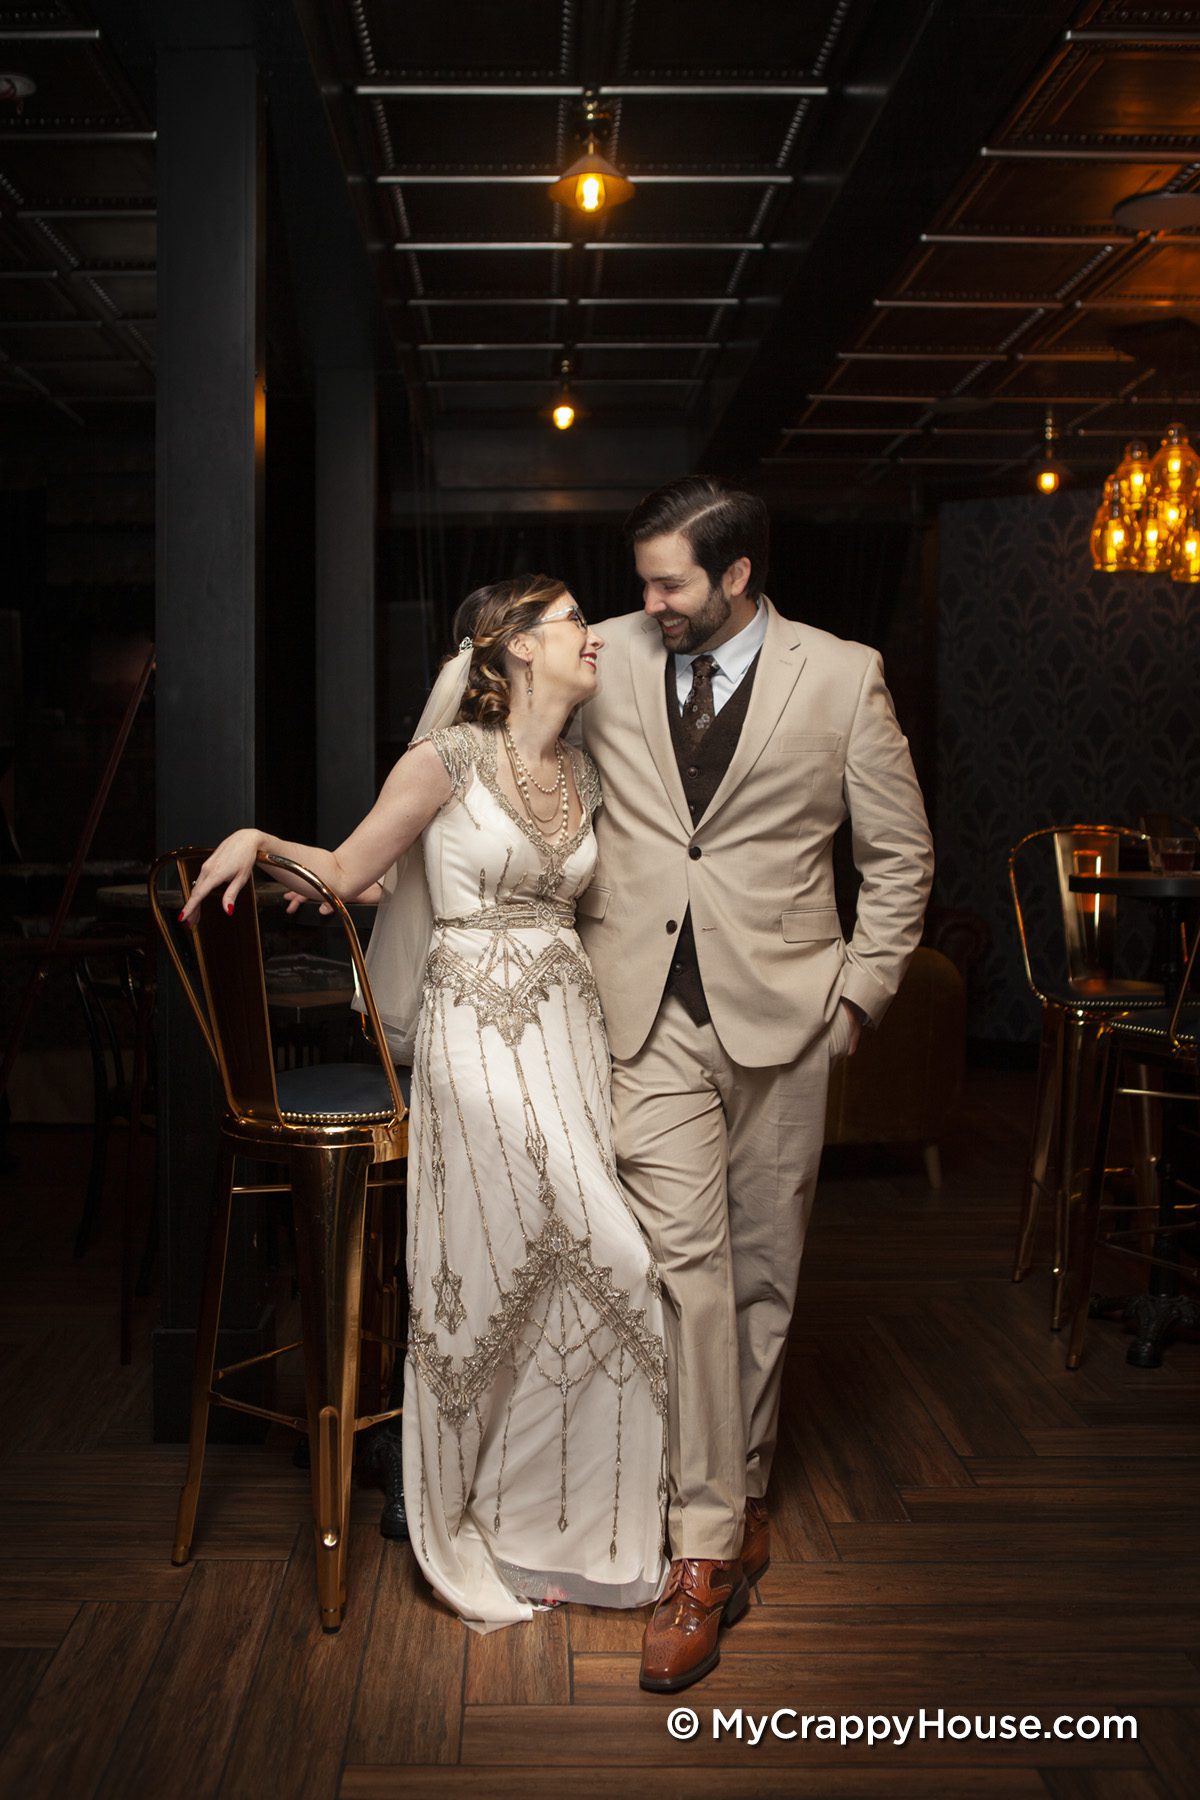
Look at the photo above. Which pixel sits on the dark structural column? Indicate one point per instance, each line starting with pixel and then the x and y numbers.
pixel 345 519
pixel 210 450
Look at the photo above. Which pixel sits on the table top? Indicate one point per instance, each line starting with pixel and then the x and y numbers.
pixel 1140 884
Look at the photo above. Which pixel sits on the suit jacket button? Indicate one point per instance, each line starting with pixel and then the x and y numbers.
pixel 672 925
pixel 695 852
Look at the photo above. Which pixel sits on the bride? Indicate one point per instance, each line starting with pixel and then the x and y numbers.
pixel 535 1390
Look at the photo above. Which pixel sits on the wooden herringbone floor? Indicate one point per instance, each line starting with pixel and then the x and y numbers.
pixel 959 1525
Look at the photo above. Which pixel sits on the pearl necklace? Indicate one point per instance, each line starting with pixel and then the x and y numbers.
pixel 524 780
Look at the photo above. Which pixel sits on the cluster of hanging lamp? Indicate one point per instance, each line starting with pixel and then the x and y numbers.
pixel 1149 519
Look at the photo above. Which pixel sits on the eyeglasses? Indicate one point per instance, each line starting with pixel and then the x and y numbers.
pixel 568 612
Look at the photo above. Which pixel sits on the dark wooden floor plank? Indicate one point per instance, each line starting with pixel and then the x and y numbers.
pixel 601 1628
pixel 292 1731
pixel 863 1375
pixel 20 1673
pixel 77 1578
pixel 1035 1502
pixel 1147 1439
pixel 187 1713
pixel 981 1585
pixel 798 1528
pixel 848 1477
pixel 1170 1736
pixel 972 1419
pixel 1144 1477
pixel 497 1737
pixel 1078 1540
pixel 771 1674
pixel 1103 1784
pixel 27 1623
pixel 529 1666
pixel 64 1741
pixel 409 1705
pixel 592 1781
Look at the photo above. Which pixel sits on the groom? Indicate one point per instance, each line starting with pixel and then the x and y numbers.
pixel 731 744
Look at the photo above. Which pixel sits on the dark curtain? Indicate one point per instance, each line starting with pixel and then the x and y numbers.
pixel 846 578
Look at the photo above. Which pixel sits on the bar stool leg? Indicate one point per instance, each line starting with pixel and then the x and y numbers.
pixel 1049 1083
pixel 206 1349
pixel 1090 1223
pixel 1080 1037
pixel 329 1194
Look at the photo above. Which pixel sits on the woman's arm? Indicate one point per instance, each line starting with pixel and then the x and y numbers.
pixel 408 800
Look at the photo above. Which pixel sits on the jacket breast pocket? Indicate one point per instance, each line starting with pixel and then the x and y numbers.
pixel 593 902
pixel 807 924
pixel 808 743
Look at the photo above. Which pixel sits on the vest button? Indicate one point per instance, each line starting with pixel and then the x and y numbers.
pixel 693 771
pixel 695 853
pixel 672 925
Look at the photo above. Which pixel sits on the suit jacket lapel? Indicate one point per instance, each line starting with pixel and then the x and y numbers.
pixel 779 666
pixel 648 679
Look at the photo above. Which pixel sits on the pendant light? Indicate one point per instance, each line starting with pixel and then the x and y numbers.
pixel 1048 471
pixel 592 183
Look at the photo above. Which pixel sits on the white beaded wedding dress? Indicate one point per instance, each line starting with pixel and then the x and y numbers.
pixel 535 1384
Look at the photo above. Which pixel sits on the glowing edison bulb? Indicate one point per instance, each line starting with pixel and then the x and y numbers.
pixel 1185 558
pixel 590 193
pixel 1047 480
pixel 1113 538
pixel 1155 541
pixel 1132 474
pixel 564 415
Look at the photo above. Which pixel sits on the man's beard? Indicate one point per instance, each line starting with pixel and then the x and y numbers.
pixel 702 625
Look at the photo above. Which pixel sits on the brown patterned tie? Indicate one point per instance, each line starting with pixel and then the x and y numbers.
pixel 698 712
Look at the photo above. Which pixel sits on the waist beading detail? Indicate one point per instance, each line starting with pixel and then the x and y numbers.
pixel 515 915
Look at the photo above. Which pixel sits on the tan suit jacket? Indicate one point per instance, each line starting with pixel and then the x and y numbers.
pixel 820 741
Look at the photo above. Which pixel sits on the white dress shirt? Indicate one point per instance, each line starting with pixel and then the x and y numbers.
pixel 731 660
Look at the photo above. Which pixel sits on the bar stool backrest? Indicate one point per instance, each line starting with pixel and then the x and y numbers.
pixel 1089 921
pixel 231 1005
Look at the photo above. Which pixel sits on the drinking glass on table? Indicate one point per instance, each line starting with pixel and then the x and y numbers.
pixel 1172 855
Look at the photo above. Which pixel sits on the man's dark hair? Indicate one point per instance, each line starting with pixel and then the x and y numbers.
pixel 720 523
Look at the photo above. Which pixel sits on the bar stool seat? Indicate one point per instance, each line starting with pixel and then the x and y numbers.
pixel 338 1093
pixel 340 1130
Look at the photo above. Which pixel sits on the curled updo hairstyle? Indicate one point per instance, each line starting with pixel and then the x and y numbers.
pixel 492 617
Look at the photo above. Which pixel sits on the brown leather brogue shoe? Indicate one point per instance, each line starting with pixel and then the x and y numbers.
pixel 756 1541
pixel 680 1645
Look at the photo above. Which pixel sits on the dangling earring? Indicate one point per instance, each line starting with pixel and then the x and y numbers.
pixel 529 682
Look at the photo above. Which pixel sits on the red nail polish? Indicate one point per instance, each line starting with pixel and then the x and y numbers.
pixel 179 921
pixel 229 907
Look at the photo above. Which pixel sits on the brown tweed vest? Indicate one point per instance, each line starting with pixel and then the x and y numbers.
pixel 701 772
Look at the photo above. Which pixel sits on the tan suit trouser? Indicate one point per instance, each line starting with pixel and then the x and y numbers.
pixel 720 1163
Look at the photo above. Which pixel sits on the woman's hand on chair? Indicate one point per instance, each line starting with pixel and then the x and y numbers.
pixel 230 867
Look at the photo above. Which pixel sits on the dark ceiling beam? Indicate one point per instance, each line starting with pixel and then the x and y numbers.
pixel 1131 36
pixel 527 90
pixel 522 178
pixel 34 134
pixel 581 344
pixel 1183 150
pixel 1030 239
pixel 83 210
pixel 59 35
pixel 970 303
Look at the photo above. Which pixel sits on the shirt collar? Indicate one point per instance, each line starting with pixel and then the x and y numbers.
pixel 734 657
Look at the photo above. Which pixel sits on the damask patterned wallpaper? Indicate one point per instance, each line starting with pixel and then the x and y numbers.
pixel 1063 694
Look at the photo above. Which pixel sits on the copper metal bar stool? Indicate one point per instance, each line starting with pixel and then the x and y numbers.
pixel 336 1127
pixel 1070 1063
pixel 1159 1043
